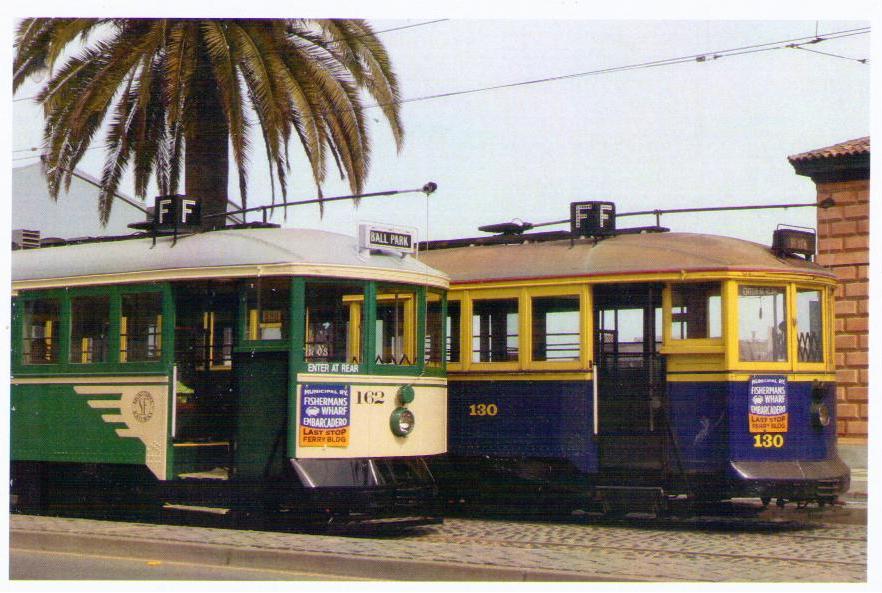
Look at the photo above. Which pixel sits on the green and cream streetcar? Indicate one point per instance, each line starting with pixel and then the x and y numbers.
pixel 251 371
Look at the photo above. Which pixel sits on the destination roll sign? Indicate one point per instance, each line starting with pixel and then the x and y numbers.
pixel 794 242
pixel 386 238
pixel 588 219
pixel 176 212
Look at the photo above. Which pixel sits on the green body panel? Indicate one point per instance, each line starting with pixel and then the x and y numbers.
pixel 51 421
pixel 262 419
pixel 54 423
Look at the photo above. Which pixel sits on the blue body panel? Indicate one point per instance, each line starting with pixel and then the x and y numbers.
pixel 543 419
pixel 700 423
pixel 553 419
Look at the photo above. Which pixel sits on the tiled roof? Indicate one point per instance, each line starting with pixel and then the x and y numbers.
pixel 847 148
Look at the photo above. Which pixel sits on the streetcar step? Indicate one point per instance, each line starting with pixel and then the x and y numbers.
pixel 632 499
pixel 217 473
pixel 195 509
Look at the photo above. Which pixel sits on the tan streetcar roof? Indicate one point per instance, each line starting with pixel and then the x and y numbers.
pixel 623 254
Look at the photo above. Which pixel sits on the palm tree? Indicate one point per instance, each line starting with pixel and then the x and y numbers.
pixel 183 91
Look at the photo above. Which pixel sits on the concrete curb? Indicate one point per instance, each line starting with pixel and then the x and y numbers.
pixel 333 565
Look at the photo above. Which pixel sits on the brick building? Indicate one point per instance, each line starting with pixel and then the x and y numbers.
pixel 842 174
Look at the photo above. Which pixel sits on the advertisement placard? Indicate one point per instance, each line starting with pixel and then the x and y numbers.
pixel 324 415
pixel 767 408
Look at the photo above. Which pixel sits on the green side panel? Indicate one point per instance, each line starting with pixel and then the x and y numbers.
pixel 296 356
pixel 54 423
pixel 262 417
pixel 369 329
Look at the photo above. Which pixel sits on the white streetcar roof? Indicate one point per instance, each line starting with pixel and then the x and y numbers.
pixel 223 253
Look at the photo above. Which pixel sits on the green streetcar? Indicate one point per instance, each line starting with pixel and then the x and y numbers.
pixel 250 372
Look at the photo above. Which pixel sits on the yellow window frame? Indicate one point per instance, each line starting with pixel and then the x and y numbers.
pixel 731 325
pixel 466 313
pixel 457 365
pixel 691 345
pixel 410 318
pixel 583 292
pixel 353 344
pixel 826 325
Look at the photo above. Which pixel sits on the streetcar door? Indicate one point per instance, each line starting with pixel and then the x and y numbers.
pixel 631 377
pixel 206 393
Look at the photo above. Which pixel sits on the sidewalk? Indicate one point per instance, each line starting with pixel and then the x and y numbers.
pixel 400 559
pixel 854 454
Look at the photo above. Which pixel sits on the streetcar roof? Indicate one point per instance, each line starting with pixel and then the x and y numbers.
pixel 223 253
pixel 649 253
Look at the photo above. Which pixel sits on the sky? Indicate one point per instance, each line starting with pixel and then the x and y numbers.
pixel 701 133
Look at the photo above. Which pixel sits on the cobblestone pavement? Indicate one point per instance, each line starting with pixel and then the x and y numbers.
pixel 742 551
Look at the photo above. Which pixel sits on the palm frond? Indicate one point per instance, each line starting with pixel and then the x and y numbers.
pixel 145 80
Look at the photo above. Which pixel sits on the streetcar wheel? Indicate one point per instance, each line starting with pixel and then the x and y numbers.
pixel 27 492
pixel 766 500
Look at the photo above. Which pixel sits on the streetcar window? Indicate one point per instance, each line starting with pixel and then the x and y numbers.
pixel 453 325
pixel 333 322
pixel 762 326
pixel 267 301
pixel 696 311
pixel 556 328
pixel 495 330
pixel 41 338
pixel 90 328
pixel 434 327
pixel 396 326
pixel 809 336
pixel 622 330
pixel 140 327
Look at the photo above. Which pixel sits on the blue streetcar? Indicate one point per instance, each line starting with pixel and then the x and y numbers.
pixel 631 368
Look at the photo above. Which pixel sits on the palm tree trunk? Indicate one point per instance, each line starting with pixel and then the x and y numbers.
pixel 206 160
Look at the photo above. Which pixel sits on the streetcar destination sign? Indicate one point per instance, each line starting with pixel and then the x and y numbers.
pixel 592 218
pixel 386 238
pixel 176 212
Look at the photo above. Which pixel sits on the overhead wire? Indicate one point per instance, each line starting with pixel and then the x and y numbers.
pixel 795 43
pixel 824 53
pixel 700 57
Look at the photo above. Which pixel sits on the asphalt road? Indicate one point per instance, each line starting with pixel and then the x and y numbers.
pixel 36 565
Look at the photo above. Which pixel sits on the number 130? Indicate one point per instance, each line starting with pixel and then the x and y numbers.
pixel 483 410
pixel 766 441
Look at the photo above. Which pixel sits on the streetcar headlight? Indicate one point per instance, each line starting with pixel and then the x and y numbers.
pixel 820 414
pixel 401 422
